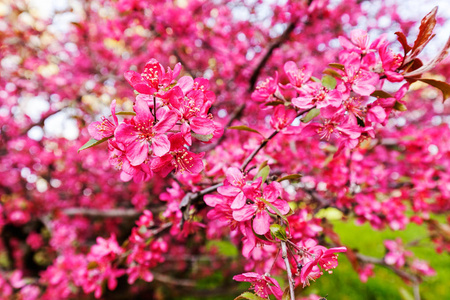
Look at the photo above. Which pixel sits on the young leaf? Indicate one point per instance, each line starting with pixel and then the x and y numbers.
pixel 381 94
pixel 329 82
pixel 93 142
pixel 311 115
pixel 264 172
pixel 337 66
pixel 400 106
pixel 248 296
pixel 278 231
pixel 332 72
pixel 263 165
pixel 275 210
pixel 201 137
pixel 443 86
pixel 125 113
pixel 290 177
pixel 402 39
pixel 245 128
pixel 425 32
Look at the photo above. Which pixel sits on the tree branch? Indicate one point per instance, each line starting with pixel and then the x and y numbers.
pixel 288 269
pixel 109 213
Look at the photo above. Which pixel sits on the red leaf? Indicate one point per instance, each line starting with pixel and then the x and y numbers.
pixel 402 39
pixel 425 32
pixel 429 66
pixel 443 86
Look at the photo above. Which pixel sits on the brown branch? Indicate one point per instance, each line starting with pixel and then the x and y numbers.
pixel 288 269
pixel 173 281
pixel 191 198
pixel 278 42
pixel 109 213
pixel 379 261
pixel 253 154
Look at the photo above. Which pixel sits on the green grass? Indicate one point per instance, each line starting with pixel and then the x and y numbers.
pixel 345 284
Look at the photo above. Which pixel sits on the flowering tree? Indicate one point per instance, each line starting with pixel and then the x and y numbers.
pixel 229 122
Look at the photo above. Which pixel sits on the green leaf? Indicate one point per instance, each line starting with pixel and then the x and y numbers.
pixel 93 142
pixel 264 172
pixel 311 115
pixel 201 137
pixel 248 296
pixel 400 106
pixel 125 113
pixel 315 79
pixel 245 128
pixel 274 209
pixel 329 82
pixel 332 72
pixel 443 86
pixel 263 165
pixel 337 66
pixel 278 231
pixel 294 177
pixel 381 94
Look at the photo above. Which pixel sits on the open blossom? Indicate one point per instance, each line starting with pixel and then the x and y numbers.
pixel 153 78
pixel 314 94
pixel 361 81
pixel 297 77
pixel 316 255
pixel 142 130
pixel 192 109
pixel 259 209
pixel 178 158
pixel 265 89
pixel 104 128
pixel 396 253
pixel 234 187
pixel 282 117
pixel 262 284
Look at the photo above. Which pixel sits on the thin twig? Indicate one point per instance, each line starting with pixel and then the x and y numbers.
pixel 288 269
pixel 109 213
pixel 269 52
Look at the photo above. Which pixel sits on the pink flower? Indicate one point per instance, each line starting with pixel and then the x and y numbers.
pixel 265 89
pixel 142 129
pixel 153 78
pixel 422 267
pixel 261 222
pixel 396 253
pixel 297 76
pixel 314 94
pixel 361 81
pixel 282 117
pixel 262 284
pixel 233 187
pixel 178 158
pixel 104 129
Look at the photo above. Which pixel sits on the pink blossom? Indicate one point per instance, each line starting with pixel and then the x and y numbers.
pixel 142 129
pixel 104 129
pixel 263 285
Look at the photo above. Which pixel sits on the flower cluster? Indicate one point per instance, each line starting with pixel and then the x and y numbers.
pixel 167 114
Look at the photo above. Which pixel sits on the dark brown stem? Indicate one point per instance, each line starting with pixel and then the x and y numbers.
pixel 277 43
pixel 379 261
pixel 253 154
pixel 109 213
